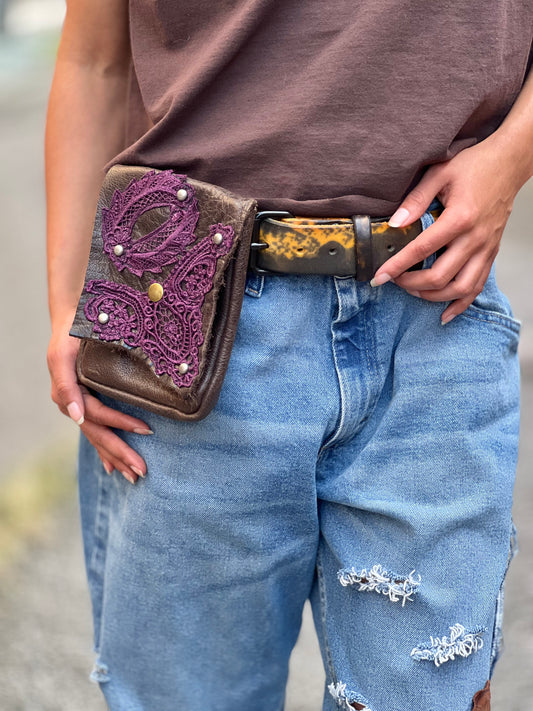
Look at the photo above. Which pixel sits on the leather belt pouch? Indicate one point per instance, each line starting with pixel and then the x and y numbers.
pixel 163 290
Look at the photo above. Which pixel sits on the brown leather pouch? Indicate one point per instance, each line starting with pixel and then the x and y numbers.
pixel 163 290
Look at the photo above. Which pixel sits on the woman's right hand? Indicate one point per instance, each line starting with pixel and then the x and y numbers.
pixel 94 418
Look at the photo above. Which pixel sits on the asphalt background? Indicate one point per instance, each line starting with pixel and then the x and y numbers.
pixel 45 634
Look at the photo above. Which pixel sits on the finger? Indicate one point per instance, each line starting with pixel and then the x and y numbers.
pixel 443 270
pixel 111 463
pixel 66 392
pixel 115 450
pixel 468 282
pixel 420 198
pixel 106 463
pixel 460 305
pixel 101 414
pixel 443 231
pixel 68 397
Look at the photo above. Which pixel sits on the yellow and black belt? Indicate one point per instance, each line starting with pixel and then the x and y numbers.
pixel 356 246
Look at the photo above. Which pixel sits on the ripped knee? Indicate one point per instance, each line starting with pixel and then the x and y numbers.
pixel 377 579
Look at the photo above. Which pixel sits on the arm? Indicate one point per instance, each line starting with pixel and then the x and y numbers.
pixel 84 130
pixel 477 188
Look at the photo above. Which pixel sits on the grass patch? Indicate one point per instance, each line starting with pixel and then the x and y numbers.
pixel 31 492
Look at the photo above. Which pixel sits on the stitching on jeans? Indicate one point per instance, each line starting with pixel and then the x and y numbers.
pixel 497 633
pixel 101 526
pixel 342 396
pixel 323 609
pixel 370 349
pixel 338 429
pixel 496 320
pixel 97 560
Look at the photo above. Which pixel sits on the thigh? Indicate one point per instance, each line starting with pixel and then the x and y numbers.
pixel 415 512
pixel 199 572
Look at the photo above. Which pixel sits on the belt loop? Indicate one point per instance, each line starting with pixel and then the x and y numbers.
pixel 364 257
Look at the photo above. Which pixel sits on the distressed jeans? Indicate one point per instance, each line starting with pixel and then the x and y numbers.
pixel 360 455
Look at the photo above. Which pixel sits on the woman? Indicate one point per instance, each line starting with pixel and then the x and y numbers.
pixel 360 454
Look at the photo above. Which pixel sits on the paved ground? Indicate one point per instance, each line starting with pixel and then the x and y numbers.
pixel 45 633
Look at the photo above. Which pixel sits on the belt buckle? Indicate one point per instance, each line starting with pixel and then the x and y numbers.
pixel 256 245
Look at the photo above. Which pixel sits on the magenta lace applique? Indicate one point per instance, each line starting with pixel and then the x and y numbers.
pixel 168 330
pixel 162 246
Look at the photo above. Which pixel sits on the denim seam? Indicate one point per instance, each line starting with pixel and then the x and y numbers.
pixel 342 394
pixel 323 610
pixel 496 320
pixel 99 552
pixel 370 349
pixel 497 635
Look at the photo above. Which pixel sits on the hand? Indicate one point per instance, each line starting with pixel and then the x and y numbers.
pixel 94 418
pixel 477 188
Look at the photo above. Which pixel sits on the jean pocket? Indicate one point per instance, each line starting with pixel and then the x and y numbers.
pixel 492 307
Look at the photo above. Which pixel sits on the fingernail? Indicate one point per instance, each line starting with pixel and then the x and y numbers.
pixel 74 412
pixel 128 477
pixel 138 472
pixel 399 217
pixel 447 319
pixel 415 293
pixel 109 468
pixel 143 431
pixel 383 278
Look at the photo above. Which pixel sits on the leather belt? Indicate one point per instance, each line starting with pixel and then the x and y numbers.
pixel 356 246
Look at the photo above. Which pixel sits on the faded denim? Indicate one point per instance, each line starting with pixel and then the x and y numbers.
pixel 360 454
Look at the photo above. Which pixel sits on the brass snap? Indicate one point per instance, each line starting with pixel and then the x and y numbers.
pixel 155 292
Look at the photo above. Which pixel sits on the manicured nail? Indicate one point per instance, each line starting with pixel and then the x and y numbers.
pixel 399 217
pixel 446 319
pixel 143 431
pixel 382 278
pixel 138 472
pixel 128 476
pixel 74 412
pixel 109 468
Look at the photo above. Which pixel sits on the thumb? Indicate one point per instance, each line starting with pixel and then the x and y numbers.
pixel 66 391
pixel 419 199
pixel 75 411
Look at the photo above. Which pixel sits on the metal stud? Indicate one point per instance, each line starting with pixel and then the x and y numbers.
pixel 218 238
pixel 103 317
pixel 118 249
pixel 183 368
pixel 155 292
pixel 182 194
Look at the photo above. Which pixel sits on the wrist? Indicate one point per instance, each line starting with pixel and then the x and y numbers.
pixel 514 153
pixel 61 320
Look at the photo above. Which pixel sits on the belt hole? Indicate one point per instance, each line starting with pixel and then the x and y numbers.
pixel 333 250
pixel 391 248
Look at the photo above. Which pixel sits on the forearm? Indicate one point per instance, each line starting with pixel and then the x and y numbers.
pixel 84 130
pixel 514 138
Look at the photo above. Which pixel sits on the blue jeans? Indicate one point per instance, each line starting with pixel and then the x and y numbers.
pixel 360 455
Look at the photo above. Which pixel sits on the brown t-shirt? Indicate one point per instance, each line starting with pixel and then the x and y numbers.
pixel 321 108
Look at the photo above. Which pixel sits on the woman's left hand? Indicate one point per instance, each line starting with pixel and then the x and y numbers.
pixel 477 188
